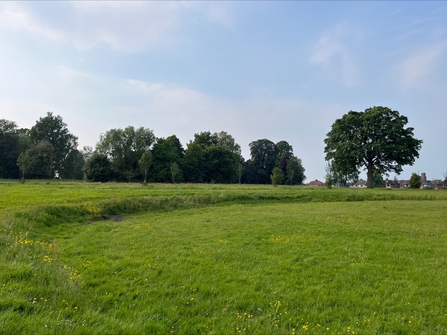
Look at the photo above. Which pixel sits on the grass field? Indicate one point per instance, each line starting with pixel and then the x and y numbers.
pixel 82 258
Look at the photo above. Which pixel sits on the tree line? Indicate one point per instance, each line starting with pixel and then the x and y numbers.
pixel 49 150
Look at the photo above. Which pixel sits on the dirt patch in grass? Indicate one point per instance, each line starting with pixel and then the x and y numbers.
pixel 115 218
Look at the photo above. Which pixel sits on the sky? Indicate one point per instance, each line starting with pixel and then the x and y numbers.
pixel 280 70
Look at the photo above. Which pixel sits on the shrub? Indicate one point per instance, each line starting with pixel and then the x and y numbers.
pixel 98 168
pixel 277 176
pixel 415 181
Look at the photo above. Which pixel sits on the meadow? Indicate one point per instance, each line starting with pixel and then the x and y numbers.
pixel 84 258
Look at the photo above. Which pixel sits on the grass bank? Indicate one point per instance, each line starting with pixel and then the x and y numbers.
pixel 52 202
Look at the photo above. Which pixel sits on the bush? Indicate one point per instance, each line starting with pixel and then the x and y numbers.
pixel 98 168
pixel 415 181
pixel 277 176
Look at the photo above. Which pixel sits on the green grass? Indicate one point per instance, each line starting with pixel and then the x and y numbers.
pixel 216 259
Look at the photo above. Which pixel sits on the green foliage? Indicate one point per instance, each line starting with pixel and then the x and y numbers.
pixel 52 129
pixel 73 165
pixel 284 152
pixel 98 168
pixel 193 163
pixel 240 171
pixel 220 165
pixel 330 178
pixel 226 141
pixel 205 139
pixel 41 160
pixel 263 158
pixel 25 142
pixel 295 171
pixel 24 163
pixel 378 179
pixel 375 139
pixel 165 152
pixel 124 148
pixel 335 176
pixel 145 163
pixel 212 157
pixel 9 149
pixel 175 173
pixel 277 176
pixel 7 126
pixel 283 149
pixel 415 181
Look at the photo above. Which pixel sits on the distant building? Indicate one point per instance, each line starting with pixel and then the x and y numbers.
pixel 392 183
pixel 404 183
pixel 397 183
pixel 436 184
pixel 424 182
pixel 359 184
pixel 316 182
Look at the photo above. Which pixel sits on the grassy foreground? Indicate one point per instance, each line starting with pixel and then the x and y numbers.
pixel 183 259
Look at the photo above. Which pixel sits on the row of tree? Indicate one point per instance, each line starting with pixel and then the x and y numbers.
pixel 49 150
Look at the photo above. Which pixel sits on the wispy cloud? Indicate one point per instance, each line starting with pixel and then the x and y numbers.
pixel 13 16
pixel 178 110
pixel 334 51
pixel 168 109
pixel 123 26
pixel 418 70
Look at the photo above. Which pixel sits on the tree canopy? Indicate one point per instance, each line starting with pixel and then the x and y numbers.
pixel 415 180
pixel 145 163
pixel 41 157
pixel 124 148
pixel 375 139
pixel 98 168
pixel 53 129
pixel 263 158
pixel 9 149
pixel 266 156
pixel 335 177
pixel 277 176
pixel 165 152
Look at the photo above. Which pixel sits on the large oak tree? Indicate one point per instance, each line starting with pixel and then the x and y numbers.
pixel 375 139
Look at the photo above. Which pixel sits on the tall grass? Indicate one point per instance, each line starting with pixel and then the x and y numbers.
pixel 54 202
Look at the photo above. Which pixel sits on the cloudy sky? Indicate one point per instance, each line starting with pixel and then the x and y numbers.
pixel 275 70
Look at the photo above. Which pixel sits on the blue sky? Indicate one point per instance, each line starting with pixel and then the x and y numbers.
pixel 275 70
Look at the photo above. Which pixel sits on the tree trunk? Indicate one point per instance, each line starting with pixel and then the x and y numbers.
pixel 370 181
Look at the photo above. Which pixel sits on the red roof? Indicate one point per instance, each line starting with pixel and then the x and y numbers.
pixel 316 182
